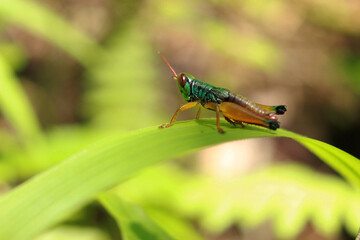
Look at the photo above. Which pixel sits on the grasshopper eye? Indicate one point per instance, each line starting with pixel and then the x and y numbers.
pixel 182 79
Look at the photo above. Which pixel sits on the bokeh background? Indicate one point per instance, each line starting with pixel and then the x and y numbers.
pixel 73 72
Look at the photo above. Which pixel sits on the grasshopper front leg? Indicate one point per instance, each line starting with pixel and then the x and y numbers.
pixel 220 130
pixel 216 107
pixel 198 113
pixel 181 108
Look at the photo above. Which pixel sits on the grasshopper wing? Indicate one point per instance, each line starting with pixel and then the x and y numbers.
pixel 235 112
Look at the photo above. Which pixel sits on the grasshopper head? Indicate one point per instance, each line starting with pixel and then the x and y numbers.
pixel 184 81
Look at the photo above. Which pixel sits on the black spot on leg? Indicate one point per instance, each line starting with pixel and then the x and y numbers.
pixel 273 125
pixel 281 109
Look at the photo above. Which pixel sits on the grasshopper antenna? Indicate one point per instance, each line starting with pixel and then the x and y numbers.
pixel 166 62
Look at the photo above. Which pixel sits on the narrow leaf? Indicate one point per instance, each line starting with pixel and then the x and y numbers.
pixel 132 220
pixel 42 21
pixel 15 105
pixel 49 197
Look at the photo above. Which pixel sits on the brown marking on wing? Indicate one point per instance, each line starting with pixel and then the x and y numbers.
pixel 238 113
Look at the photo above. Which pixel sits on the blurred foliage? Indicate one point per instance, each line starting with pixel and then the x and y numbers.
pixel 288 195
pixel 14 104
pixel 73 233
pixel 50 26
pixel 132 220
pixel 72 72
pixel 121 82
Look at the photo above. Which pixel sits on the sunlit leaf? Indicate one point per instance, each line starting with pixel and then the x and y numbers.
pixel 174 225
pixel 73 233
pixel 15 105
pixel 51 196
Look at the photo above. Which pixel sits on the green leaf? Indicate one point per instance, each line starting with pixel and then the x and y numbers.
pixel 182 228
pixel 342 162
pixel 251 49
pixel 73 233
pixel 287 195
pixel 15 105
pixel 47 24
pixel 132 220
pixel 107 100
pixel 51 196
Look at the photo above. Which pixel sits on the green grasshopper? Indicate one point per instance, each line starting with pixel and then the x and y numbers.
pixel 235 108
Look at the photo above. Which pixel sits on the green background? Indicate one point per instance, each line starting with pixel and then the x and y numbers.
pixel 73 73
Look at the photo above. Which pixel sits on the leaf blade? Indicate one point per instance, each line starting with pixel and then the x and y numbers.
pixel 15 104
pixel 54 194
pixel 132 220
pixel 44 22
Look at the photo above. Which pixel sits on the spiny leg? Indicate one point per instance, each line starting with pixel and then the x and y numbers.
pixel 234 122
pixel 220 130
pixel 198 112
pixel 230 121
pixel 181 108
pixel 240 123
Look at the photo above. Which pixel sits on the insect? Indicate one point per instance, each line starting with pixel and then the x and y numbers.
pixel 235 108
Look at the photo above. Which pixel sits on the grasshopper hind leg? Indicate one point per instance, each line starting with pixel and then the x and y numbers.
pixel 234 122
pixel 230 121
pixel 220 130
pixel 273 125
pixel 239 123
pixel 280 109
